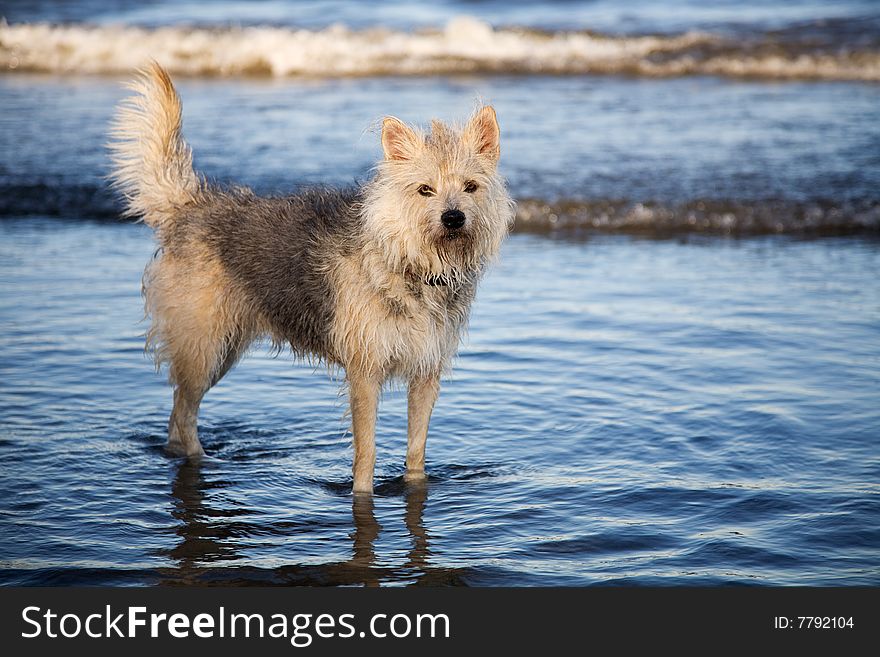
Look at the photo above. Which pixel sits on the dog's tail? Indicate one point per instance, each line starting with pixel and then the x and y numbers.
pixel 152 164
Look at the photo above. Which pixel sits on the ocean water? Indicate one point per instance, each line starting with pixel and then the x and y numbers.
pixel 672 373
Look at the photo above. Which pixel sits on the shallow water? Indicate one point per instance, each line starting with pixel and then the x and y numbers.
pixel 800 156
pixel 624 411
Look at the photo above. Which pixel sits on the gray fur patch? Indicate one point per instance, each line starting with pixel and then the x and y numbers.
pixel 279 251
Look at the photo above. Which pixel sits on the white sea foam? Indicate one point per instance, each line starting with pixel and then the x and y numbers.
pixel 464 45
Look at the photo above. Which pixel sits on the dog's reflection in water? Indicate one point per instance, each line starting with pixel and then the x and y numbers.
pixel 416 499
pixel 367 530
pixel 208 536
pixel 203 530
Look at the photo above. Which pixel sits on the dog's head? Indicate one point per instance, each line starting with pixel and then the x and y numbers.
pixel 438 205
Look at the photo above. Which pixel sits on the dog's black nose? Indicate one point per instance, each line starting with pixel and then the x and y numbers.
pixel 452 219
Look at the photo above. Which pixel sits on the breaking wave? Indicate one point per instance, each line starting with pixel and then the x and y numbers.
pixel 711 216
pixel 89 201
pixel 464 45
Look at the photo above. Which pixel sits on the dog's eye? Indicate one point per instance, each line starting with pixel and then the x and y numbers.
pixel 426 190
pixel 470 186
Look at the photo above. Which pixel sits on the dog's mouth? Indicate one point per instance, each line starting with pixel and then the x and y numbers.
pixel 457 248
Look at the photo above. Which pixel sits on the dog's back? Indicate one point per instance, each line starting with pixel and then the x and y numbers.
pixel 278 252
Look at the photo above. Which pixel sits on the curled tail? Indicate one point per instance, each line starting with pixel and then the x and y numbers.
pixel 152 164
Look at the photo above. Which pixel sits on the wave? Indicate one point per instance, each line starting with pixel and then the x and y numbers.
pixel 464 45
pixel 711 216
pixel 55 198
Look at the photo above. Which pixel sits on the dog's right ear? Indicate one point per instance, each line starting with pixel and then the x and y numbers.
pixel 483 133
pixel 399 141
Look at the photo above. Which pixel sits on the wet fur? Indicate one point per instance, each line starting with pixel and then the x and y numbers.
pixel 345 277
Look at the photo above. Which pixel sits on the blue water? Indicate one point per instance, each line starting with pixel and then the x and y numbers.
pixel 683 410
pixel 625 411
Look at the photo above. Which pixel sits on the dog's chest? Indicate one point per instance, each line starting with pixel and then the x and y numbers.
pixel 392 327
pixel 420 332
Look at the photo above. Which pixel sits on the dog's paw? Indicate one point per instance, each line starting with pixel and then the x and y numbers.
pixel 179 449
pixel 415 476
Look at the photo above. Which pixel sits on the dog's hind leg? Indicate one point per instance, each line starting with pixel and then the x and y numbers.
pixel 190 388
pixel 183 436
pixel 199 329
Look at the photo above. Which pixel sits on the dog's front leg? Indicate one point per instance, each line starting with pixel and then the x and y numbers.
pixel 422 396
pixel 364 397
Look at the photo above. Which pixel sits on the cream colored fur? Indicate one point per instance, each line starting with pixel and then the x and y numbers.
pixel 152 163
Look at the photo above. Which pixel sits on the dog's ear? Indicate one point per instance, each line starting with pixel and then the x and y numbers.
pixel 399 141
pixel 483 133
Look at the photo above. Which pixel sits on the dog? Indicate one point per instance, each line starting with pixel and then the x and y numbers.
pixel 377 280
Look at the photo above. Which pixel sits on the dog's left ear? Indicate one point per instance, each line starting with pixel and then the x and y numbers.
pixel 399 141
pixel 483 133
